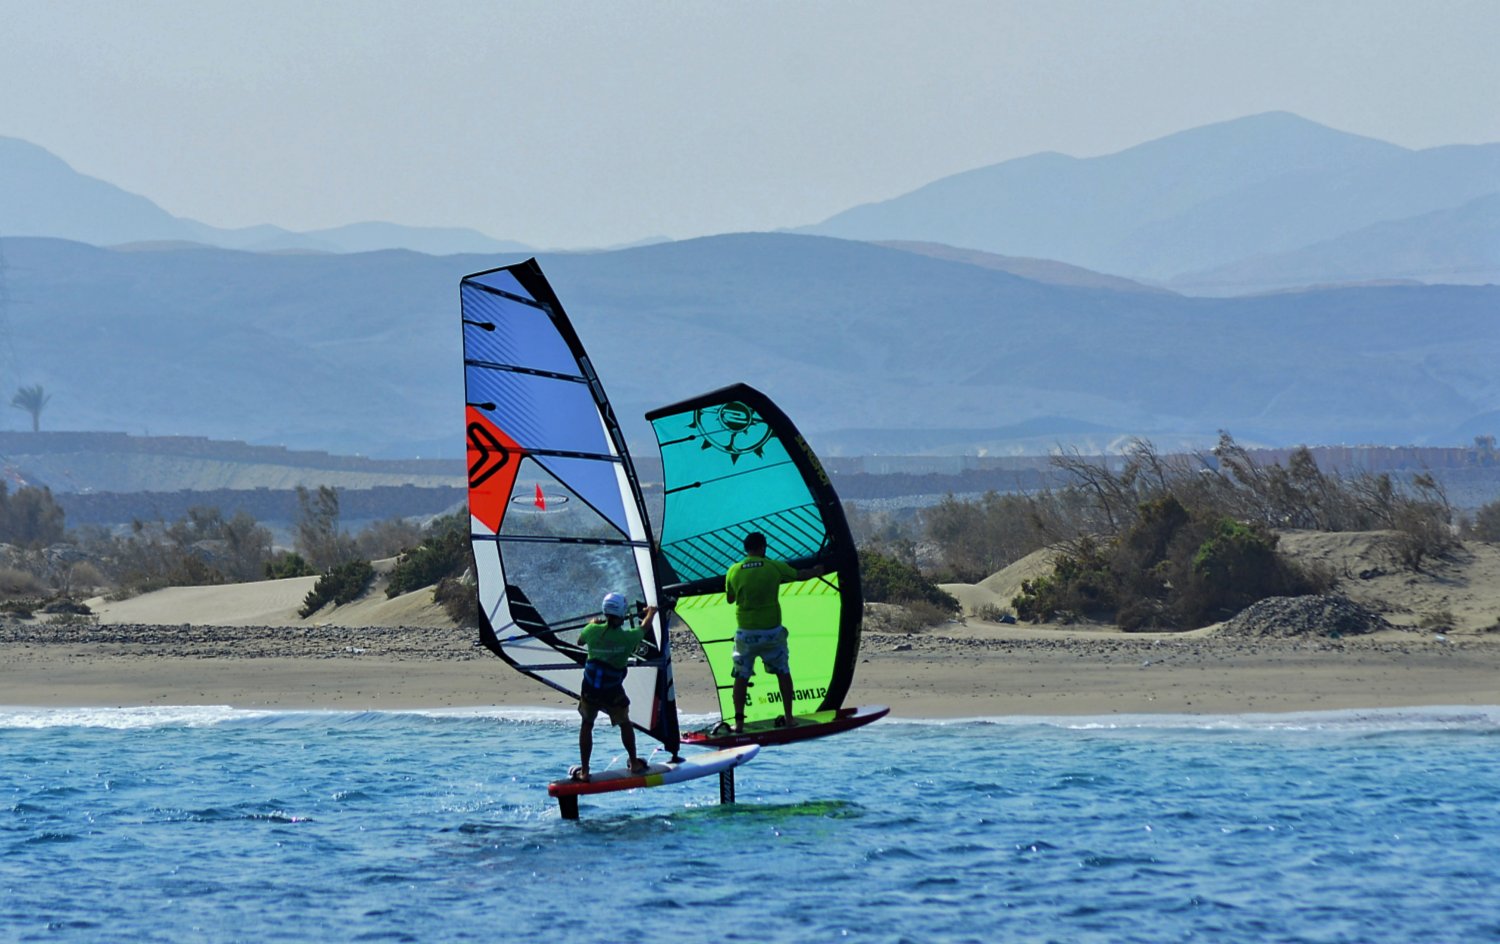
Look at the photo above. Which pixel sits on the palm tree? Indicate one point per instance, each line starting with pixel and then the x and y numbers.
pixel 31 399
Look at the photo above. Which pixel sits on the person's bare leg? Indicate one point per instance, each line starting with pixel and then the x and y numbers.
pixel 739 705
pixel 627 738
pixel 585 747
pixel 786 696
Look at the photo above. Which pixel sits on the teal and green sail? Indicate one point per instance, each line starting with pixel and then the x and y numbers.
pixel 734 463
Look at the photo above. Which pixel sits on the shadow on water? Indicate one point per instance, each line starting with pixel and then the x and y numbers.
pixel 648 825
pixel 776 812
pixel 528 831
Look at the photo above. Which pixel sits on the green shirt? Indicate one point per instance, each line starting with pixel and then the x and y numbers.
pixel 754 587
pixel 612 645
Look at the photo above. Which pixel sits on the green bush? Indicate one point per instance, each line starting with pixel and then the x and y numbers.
pixel 1169 571
pixel 341 584
pixel 287 564
pixel 442 554
pixel 1234 566
pixel 885 579
pixel 1080 585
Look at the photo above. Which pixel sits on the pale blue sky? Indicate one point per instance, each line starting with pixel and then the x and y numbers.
pixel 589 123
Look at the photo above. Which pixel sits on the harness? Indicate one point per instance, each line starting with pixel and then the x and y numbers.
pixel 602 676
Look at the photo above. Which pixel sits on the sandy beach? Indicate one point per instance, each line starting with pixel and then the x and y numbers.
pixel 959 671
pixel 245 646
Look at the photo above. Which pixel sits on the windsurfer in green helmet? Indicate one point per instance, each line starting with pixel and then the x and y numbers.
pixel 754 587
pixel 610 645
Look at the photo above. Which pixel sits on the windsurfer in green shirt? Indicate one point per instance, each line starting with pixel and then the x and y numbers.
pixel 610 645
pixel 754 586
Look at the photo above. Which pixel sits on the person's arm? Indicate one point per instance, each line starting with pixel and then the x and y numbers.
pixel 639 632
pixel 728 589
pixel 789 573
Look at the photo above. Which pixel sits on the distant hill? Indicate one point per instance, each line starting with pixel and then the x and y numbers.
pixel 1191 201
pixel 1457 246
pixel 372 237
pixel 114 479
pixel 1038 270
pixel 359 354
pixel 119 462
pixel 40 195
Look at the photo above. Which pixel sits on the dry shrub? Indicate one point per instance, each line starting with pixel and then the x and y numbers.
pixel 1486 524
pixel 920 615
pixel 459 599
pixel 19 583
pixel 1440 621
pixel 84 577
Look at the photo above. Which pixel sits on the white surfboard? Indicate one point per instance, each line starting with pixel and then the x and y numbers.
pixel 657 775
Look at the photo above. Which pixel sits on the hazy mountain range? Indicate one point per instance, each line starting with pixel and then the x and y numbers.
pixel 40 195
pixel 971 314
pixel 1214 197
pixel 1460 245
pixel 869 347
pixel 1262 203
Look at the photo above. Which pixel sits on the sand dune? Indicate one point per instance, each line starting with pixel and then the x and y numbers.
pixel 271 603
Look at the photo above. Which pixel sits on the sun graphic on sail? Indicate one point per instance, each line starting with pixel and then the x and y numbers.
pixel 732 428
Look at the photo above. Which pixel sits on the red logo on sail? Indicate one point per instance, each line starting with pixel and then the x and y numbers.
pixel 494 459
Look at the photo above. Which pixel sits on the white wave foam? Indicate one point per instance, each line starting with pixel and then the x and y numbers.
pixel 498 713
pixel 208 715
pixel 1443 717
pixel 192 716
pixel 1366 720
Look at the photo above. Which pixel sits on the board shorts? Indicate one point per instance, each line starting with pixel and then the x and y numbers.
pixel 768 645
pixel 604 690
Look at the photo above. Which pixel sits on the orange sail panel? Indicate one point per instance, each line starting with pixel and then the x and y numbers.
pixel 494 459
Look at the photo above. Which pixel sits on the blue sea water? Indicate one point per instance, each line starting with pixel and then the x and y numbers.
pixel 203 824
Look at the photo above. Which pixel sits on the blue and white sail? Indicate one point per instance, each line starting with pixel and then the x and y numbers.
pixel 555 509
